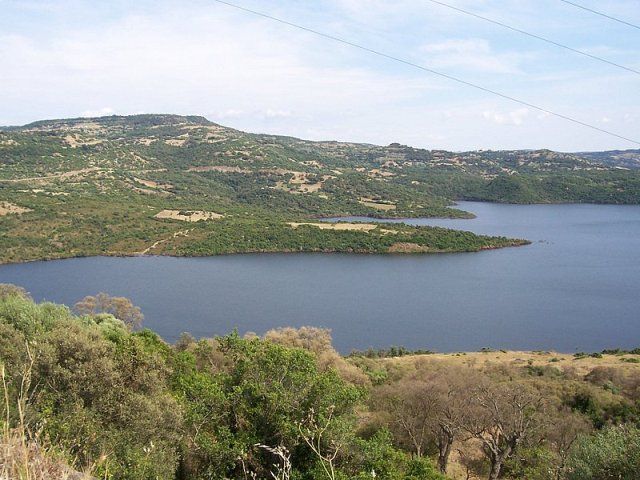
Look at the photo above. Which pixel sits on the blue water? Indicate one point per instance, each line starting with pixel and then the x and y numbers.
pixel 575 288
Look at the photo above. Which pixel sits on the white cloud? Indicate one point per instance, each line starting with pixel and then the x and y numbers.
pixel 229 113
pixel 101 112
pixel 269 113
pixel 256 75
pixel 470 54
pixel 188 62
pixel 514 117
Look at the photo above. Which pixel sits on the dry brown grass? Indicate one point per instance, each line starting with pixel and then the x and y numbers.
pixel 377 173
pixel 219 168
pixel 73 174
pixel 21 459
pixel 74 141
pixel 188 216
pixel 579 367
pixel 152 184
pixel 406 247
pixel 378 205
pixel 6 208
pixel 362 227
pixel 176 142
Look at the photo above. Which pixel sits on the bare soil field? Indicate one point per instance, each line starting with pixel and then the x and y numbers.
pixel 188 215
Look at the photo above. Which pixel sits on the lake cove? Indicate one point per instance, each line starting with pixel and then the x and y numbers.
pixel 573 289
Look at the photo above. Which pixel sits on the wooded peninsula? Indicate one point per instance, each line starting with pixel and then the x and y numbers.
pixel 184 186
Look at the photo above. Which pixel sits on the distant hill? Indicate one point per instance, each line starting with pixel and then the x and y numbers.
pixel 182 185
pixel 615 158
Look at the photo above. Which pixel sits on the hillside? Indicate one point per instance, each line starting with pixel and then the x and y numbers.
pixel 624 159
pixel 182 185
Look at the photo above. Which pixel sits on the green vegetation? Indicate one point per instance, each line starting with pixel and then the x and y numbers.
pixel 138 185
pixel 119 403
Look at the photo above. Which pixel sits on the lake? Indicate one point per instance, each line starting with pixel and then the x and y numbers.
pixel 575 288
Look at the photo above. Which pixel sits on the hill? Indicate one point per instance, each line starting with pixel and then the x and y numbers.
pixel 182 185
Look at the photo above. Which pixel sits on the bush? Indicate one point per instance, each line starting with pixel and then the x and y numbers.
pixel 613 453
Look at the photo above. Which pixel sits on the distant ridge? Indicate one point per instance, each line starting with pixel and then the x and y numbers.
pixel 613 158
pixel 162 184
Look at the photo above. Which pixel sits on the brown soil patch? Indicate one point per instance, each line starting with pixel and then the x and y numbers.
pixel 406 247
pixel 74 141
pixel 378 205
pixel 219 168
pixel 310 187
pixel 176 142
pixel 377 173
pixel 152 184
pixel 65 175
pixel 312 163
pixel 85 126
pixel 298 178
pixel 363 227
pixel 188 215
pixel 7 208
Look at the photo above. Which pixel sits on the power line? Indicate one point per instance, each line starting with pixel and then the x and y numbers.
pixel 533 35
pixel 601 14
pixel 426 69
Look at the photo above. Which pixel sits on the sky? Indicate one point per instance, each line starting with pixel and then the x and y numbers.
pixel 71 58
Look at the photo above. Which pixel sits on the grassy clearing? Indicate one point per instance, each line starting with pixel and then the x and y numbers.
pixel 188 215
pixel 358 227
pixel 7 208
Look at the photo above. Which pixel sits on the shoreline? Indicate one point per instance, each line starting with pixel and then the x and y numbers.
pixel 516 243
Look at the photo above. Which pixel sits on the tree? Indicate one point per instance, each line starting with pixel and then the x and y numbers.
pixel 610 454
pixel 412 406
pixel 567 427
pixel 265 394
pixel 427 410
pixel 9 289
pixel 318 341
pixel 119 307
pixel 501 416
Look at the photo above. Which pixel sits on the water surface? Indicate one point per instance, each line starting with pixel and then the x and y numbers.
pixel 575 288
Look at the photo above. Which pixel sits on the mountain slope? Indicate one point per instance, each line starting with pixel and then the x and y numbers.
pixel 169 184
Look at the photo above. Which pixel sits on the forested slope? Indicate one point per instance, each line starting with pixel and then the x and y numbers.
pixel 168 184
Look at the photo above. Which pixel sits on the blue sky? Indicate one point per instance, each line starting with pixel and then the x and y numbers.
pixel 68 58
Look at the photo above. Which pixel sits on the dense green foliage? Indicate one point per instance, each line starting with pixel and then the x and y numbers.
pixel 94 187
pixel 129 406
pixel 126 405
pixel 613 453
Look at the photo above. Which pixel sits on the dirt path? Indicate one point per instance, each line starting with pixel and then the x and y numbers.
pixel 181 233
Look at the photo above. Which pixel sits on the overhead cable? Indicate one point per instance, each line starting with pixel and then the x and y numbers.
pixel 601 14
pixel 533 35
pixel 426 69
